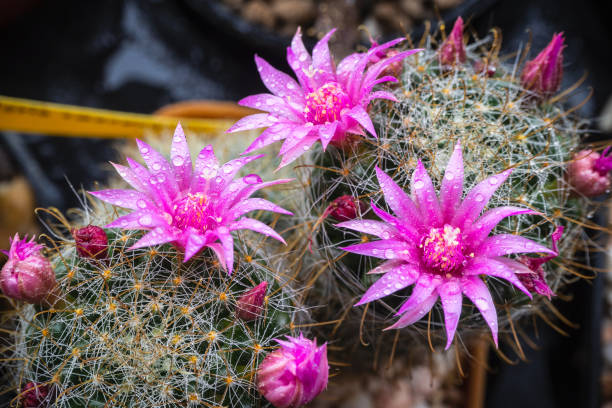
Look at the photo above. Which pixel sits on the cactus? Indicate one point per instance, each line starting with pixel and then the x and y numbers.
pixel 500 126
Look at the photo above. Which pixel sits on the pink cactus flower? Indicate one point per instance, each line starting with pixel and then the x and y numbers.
pixel 452 50
pixel 588 173
pixel 191 208
pixel 535 278
pixel 34 395
pixel 345 208
pixel 327 104
pixel 249 306
pixel 543 74
pixel 293 375
pixel 27 275
pixel 441 245
pixel 91 242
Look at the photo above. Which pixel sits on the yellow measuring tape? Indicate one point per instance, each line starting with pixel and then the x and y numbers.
pixel 23 115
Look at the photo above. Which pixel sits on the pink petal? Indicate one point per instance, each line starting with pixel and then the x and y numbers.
pixel 376 69
pixel 346 67
pixel 218 250
pixel 131 199
pixel 162 174
pixel 142 219
pixel 499 267
pixel 298 150
pixel 399 202
pixel 279 83
pixel 159 195
pixel 362 117
pixel 478 198
pixel 426 284
pixel 272 134
pixel 195 242
pixel 382 95
pixel 243 188
pixel 356 77
pixel 227 242
pixel 425 196
pixel 299 59
pixel 254 121
pixel 416 313
pixel 131 178
pixel 386 249
pixel 295 137
pixel 156 237
pixel 477 232
pixel 505 244
pixel 206 167
pixel 380 229
pixel 450 296
pixel 387 266
pixel 452 185
pixel 272 104
pixel 257 226
pixel 232 167
pixel 253 204
pixel 394 280
pixel 322 61
pixel 476 290
pixel 181 158
pixel 326 132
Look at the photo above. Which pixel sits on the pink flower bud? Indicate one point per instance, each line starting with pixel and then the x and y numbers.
pixel 27 275
pixel 345 208
pixel 294 374
pixel 588 172
pixel 91 242
pixel 34 395
pixel 249 306
pixel 481 66
pixel 535 281
pixel 543 74
pixel 452 50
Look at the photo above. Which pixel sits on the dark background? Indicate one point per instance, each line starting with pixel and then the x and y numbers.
pixel 140 55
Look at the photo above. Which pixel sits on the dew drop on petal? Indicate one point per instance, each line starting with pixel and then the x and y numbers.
pixel 142 204
pixel 389 254
pixel 419 184
pixel 482 304
pixel 479 197
pixel 178 161
pixel 145 220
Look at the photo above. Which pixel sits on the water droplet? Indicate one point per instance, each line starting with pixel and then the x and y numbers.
pixel 419 184
pixel 142 204
pixel 145 220
pixel 450 176
pixel 479 197
pixel 178 161
pixel 156 166
pixel 252 179
pixel 482 304
pixel 389 254
pixel 493 180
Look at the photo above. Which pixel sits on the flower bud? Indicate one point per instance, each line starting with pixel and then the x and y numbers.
pixel 588 172
pixel 27 275
pixel 481 66
pixel 345 208
pixel 543 74
pixel 91 242
pixel 34 395
pixel 249 306
pixel 452 50
pixel 293 375
pixel 535 279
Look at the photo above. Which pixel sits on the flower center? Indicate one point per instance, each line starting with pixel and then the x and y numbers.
pixel 193 211
pixel 443 250
pixel 325 104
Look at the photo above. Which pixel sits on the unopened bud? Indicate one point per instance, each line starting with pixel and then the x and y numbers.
pixel 543 74
pixel 345 208
pixel 27 275
pixel 91 242
pixel 250 304
pixel 35 395
pixel 588 172
pixel 452 50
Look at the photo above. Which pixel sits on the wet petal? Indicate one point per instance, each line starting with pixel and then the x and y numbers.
pixel 254 121
pixel 476 290
pixel 394 280
pixel 272 134
pixel 450 296
pixel 181 158
pixel 382 95
pixel 386 249
pixel 227 242
pixel 141 219
pixel 426 285
pixel 380 229
pixel 257 226
pixel 425 196
pixel 477 232
pixel 452 185
pixel 499 267
pixel 298 150
pixel 131 199
pixel 398 201
pixel 156 237
pixel 361 116
pixel 272 104
pixel 506 244
pixel 326 132
pixel 416 312
pixel 253 204
pixel 279 83
pixel 162 174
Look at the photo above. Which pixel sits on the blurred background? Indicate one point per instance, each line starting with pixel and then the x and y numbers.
pixel 139 56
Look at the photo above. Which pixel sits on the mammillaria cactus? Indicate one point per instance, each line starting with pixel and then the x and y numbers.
pixel 142 327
